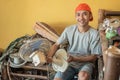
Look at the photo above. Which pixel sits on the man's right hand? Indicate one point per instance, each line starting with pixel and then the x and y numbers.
pixel 70 58
pixel 51 53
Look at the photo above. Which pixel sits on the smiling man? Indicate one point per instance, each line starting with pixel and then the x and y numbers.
pixel 83 48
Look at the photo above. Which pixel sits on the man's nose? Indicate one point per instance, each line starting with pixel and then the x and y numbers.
pixel 81 17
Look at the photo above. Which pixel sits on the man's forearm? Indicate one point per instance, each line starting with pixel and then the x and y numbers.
pixel 90 58
pixel 52 50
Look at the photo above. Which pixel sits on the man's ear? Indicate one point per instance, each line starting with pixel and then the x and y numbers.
pixel 91 17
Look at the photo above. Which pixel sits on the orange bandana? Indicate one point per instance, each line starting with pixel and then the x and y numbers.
pixel 83 6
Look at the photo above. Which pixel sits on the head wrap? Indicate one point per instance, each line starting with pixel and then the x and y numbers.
pixel 84 6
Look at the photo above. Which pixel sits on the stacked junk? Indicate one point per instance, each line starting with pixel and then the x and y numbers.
pixel 110 36
pixel 30 50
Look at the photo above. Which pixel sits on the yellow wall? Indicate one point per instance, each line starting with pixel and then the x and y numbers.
pixel 17 17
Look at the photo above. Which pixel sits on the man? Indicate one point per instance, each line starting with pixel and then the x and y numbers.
pixel 83 48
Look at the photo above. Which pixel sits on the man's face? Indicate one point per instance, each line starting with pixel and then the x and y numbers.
pixel 83 17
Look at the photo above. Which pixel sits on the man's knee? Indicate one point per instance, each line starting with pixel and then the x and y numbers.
pixel 83 75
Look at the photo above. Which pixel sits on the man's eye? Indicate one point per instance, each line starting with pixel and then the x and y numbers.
pixel 78 14
pixel 85 13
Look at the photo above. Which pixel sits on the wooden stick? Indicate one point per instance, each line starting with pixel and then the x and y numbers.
pixel 28 75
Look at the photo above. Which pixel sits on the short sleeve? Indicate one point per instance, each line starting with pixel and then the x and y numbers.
pixel 63 37
pixel 95 45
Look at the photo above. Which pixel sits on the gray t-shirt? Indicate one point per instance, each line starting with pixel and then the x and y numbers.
pixel 81 44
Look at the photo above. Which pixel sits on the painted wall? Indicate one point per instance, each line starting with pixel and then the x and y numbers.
pixel 17 17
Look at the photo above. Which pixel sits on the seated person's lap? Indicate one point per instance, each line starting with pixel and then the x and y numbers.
pixel 71 72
